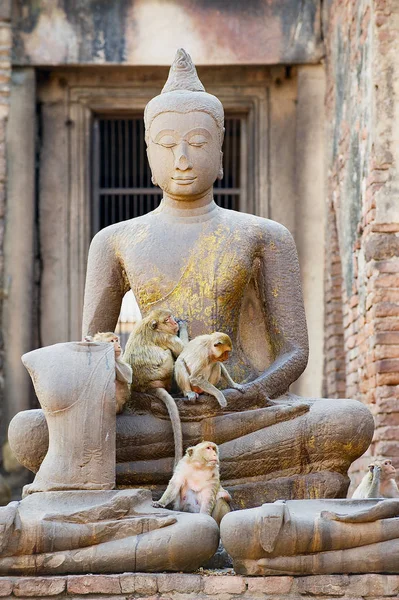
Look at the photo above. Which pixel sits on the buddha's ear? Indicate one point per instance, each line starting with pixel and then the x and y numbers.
pixel 149 162
pixel 220 174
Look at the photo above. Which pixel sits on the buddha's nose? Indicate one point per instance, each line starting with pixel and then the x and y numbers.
pixel 182 161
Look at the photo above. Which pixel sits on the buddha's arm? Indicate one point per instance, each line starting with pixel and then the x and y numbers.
pixel 281 296
pixel 105 286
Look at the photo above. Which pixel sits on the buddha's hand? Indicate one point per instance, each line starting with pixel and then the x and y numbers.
pixel 248 394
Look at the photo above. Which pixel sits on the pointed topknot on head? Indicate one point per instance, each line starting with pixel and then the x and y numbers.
pixel 183 75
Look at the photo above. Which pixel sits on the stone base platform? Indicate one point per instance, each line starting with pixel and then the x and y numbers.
pixel 209 585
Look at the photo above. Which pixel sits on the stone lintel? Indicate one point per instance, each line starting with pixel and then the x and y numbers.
pixel 146 32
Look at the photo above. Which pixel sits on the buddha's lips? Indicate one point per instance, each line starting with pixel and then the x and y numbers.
pixel 184 180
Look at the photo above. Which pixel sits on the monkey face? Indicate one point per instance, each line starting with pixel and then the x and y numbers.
pixel 221 352
pixel 388 468
pixel 168 324
pixel 184 153
pixel 108 337
pixel 205 452
pixel 221 347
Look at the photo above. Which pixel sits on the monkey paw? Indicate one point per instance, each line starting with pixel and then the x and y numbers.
pixel 191 396
pixel 157 504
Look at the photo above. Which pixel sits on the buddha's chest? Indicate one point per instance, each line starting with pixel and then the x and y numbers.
pixel 188 265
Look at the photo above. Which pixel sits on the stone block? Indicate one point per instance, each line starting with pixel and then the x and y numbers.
pixel 323 585
pixel 6 586
pixel 36 587
pixel 143 584
pixel 177 582
pixel 127 583
pixel 222 584
pixel 373 585
pixel 270 585
pixel 380 246
pixel 93 584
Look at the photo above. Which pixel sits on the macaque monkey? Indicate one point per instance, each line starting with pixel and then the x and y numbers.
pixel 123 371
pixel 195 485
pixel 151 350
pixel 379 481
pixel 199 366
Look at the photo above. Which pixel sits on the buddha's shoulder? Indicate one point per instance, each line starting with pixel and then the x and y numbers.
pixel 268 227
pixel 118 230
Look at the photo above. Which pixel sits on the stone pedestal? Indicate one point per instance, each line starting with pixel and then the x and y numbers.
pixel 218 585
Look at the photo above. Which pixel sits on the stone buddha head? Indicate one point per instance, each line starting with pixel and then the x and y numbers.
pixel 184 134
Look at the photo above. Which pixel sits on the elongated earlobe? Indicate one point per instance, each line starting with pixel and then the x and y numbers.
pixel 220 174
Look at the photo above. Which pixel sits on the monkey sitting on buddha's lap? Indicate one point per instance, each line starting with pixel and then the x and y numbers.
pixel 195 486
pixel 199 366
pixel 122 370
pixel 151 350
pixel 379 481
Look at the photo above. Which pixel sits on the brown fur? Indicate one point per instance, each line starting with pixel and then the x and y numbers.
pixel 122 390
pixel 195 485
pixel 199 366
pixel 151 350
pixel 379 481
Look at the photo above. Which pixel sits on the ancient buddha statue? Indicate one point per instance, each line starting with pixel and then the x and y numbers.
pixel 220 270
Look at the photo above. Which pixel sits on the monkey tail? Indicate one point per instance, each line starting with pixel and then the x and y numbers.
pixel 174 419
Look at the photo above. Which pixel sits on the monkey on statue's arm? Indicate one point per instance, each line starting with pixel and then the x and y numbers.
pixel 122 369
pixel 151 350
pixel 195 486
pixel 379 481
pixel 199 366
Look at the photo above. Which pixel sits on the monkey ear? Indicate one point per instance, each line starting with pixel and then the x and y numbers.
pixel 190 451
pixel 154 324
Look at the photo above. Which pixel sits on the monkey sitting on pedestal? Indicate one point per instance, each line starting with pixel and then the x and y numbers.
pixel 195 486
pixel 199 366
pixel 379 481
pixel 151 350
pixel 122 369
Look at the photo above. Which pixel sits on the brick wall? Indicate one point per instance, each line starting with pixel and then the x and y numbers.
pixel 218 585
pixel 5 78
pixel 362 258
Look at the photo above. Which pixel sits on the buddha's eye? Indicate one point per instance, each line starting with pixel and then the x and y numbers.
pixel 197 140
pixel 167 141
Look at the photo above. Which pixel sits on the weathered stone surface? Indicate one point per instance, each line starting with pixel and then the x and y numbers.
pixel 179 583
pixel 274 540
pixel 226 33
pixel 373 585
pixel 39 586
pixel 224 585
pixel 324 585
pixel 93 584
pixel 6 586
pixel 270 585
pixel 141 584
pixel 262 588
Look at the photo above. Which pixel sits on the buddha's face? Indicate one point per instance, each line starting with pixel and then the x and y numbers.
pixel 184 153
